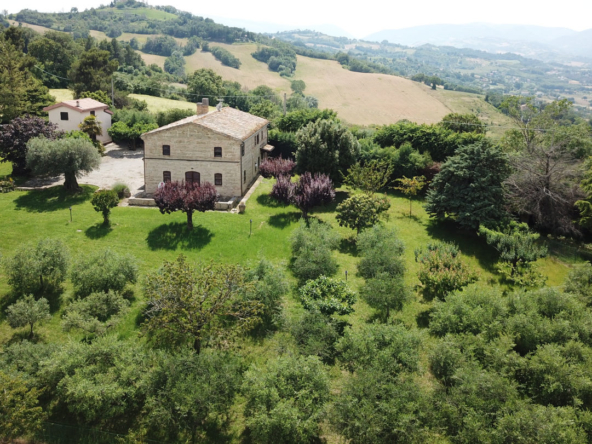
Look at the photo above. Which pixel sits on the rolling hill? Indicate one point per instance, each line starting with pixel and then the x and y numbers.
pixel 359 98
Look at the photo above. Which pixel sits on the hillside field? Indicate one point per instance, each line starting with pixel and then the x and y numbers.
pixel 359 98
pixel 155 104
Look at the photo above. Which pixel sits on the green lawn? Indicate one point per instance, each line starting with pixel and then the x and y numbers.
pixel 153 237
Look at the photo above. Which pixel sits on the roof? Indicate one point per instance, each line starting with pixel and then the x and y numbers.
pixel 80 105
pixel 268 148
pixel 229 121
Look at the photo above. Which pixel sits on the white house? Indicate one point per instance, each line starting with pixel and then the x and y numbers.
pixel 67 115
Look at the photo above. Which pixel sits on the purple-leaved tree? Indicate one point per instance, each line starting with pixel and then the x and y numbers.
pixel 186 197
pixel 276 167
pixel 15 135
pixel 308 192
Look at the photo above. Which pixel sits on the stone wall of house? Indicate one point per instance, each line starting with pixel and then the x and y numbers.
pixel 230 187
pixel 252 158
pixel 192 149
pixel 75 118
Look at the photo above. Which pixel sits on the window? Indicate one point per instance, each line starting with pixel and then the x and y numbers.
pixel 92 113
pixel 218 179
pixel 166 150
pixel 166 176
pixel 257 139
pixel 64 116
pixel 192 177
pixel 245 176
pixel 242 149
pixel 217 151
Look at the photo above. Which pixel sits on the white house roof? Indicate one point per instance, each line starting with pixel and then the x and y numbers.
pixel 80 105
pixel 229 121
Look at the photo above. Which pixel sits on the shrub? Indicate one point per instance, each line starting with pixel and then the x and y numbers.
pixel 28 312
pixel 6 186
pixel 327 296
pixel 382 253
pixel 311 249
pixel 102 201
pixel 38 269
pixel 385 293
pixel 283 190
pixel 517 252
pixel 103 271
pixel 276 167
pixel 172 115
pixel 475 310
pixel 285 400
pixel 316 335
pixel 389 348
pixel 362 211
pixel 442 270
pixel 95 314
pixel 270 285
pixel 579 282
pixel 122 190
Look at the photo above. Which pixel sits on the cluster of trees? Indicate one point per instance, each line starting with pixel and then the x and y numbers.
pixel 225 56
pixel 280 58
pixel 137 20
pixel 536 173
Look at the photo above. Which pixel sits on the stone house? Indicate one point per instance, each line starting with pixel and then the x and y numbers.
pixel 224 147
pixel 67 115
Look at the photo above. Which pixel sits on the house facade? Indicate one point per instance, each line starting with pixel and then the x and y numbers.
pixel 224 147
pixel 69 114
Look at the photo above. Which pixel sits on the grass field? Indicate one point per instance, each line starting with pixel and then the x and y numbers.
pixel 155 104
pixel 465 103
pixel 152 237
pixel 359 98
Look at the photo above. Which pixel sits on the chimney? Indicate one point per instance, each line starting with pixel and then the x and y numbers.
pixel 203 107
pixel 77 104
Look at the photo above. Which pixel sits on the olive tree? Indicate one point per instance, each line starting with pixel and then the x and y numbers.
pixel 103 271
pixel 28 312
pixel 71 157
pixel 285 400
pixel 38 268
pixel 189 304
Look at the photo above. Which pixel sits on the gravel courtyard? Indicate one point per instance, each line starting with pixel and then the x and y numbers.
pixel 119 164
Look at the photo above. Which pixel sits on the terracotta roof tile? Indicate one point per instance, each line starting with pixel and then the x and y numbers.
pixel 232 122
pixel 79 105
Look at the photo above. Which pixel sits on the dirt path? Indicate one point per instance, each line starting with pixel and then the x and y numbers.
pixel 118 165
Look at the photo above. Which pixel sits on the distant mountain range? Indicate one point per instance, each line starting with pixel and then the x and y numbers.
pixel 531 41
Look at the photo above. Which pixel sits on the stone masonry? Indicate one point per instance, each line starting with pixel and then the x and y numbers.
pixel 240 135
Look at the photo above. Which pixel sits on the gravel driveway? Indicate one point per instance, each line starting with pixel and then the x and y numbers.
pixel 118 165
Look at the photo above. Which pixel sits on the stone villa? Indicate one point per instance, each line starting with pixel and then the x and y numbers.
pixel 224 147
pixel 67 115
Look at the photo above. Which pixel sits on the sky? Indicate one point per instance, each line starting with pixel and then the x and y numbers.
pixel 366 17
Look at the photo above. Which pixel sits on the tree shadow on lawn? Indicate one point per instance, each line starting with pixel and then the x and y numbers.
pixel 175 235
pixel 348 245
pixel 283 220
pixel 267 201
pixel 340 196
pixel 98 231
pixel 469 242
pixel 53 199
